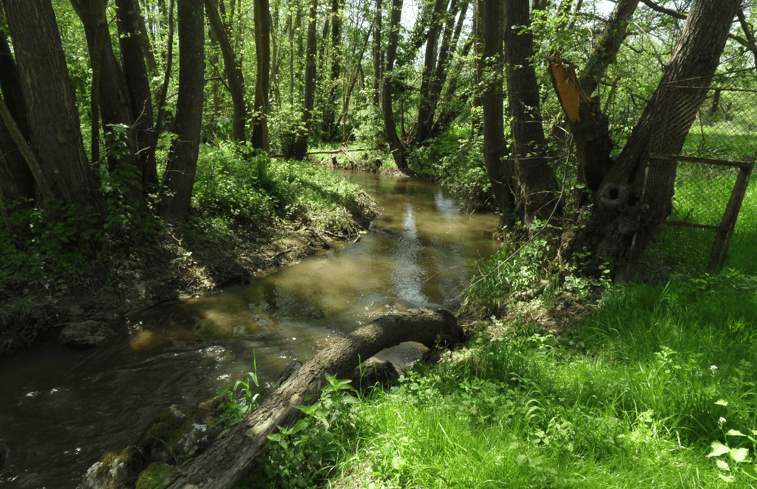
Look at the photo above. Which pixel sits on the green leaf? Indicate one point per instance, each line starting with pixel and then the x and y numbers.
pixel 721 402
pixel 750 470
pixel 722 464
pixel 735 433
pixel 718 449
pixel 739 454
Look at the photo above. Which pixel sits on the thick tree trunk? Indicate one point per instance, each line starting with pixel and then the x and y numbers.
pixel 16 177
pixel 636 195
pixel 232 69
pixel 260 138
pixel 182 164
pixel 133 54
pixel 54 127
pixel 226 461
pixel 590 127
pixel 310 74
pixel 535 179
pixel 387 91
pixel 490 65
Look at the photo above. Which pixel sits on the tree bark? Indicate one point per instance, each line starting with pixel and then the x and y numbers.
pixel 16 177
pixel 55 132
pixel 133 53
pixel 535 179
pixel 636 195
pixel 387 91
pixel 490 65
pixel 182 164
pixel 227 460
pixel 310 74
pixel 232 69
pixel 260 138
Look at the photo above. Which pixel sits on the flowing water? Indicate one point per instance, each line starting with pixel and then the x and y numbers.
pixel 61 409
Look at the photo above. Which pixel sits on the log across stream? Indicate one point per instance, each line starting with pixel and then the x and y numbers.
pixel 62 409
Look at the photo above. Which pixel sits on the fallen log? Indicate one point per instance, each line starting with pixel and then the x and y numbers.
pixel 228 459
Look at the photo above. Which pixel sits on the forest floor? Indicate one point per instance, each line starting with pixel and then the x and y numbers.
pixel 177 267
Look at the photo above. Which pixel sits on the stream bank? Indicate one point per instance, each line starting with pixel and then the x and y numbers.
pixel 173 269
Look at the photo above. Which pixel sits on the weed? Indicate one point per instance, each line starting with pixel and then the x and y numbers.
pixel 300 456
pixel 236 407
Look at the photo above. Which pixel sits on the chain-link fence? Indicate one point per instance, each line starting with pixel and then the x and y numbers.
pixel 699 177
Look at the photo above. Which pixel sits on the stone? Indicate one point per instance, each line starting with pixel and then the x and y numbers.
pixel 85 334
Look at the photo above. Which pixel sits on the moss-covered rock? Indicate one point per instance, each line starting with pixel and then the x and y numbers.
pixel 156 476
pixel 115 470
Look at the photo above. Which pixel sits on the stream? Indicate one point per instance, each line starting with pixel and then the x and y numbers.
pixel 61 409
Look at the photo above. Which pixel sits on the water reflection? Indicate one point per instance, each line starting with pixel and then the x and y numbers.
pixel 61 409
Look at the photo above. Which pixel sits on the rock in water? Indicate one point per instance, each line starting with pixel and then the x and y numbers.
pixel 85 334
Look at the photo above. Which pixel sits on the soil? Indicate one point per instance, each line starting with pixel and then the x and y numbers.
pixel 180 268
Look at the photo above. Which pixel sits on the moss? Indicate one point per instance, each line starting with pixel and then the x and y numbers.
pixel 156 476
pixel 107 460
pixel 168 427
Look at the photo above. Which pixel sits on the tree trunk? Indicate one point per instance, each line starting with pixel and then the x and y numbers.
pixel 152 65
pixel 535 179
pixel 167 75
pixel 450 93
pixel 260 138
pixel 329 123
pixel 636 195
pixel 133 53
pixel 182 164
pixel 310 74
pixel 387 91
pixel 446 48
pixel 425 109
pixel 54 126
pixel 608 45
pixel 227 460
pixel 16 177
pixel 232 69
pixel 113 99
pixel 489 15
pixel 377 54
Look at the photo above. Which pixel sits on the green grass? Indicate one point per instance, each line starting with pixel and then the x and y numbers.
pixel 701 195
pixel 238 186
pixel 633 397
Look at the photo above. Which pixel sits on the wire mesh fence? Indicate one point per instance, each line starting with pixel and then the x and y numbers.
pixel 701 155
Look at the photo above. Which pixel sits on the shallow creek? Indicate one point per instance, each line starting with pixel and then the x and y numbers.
pixel 61 409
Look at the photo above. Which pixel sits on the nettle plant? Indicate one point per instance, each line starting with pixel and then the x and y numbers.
pixel 731 461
